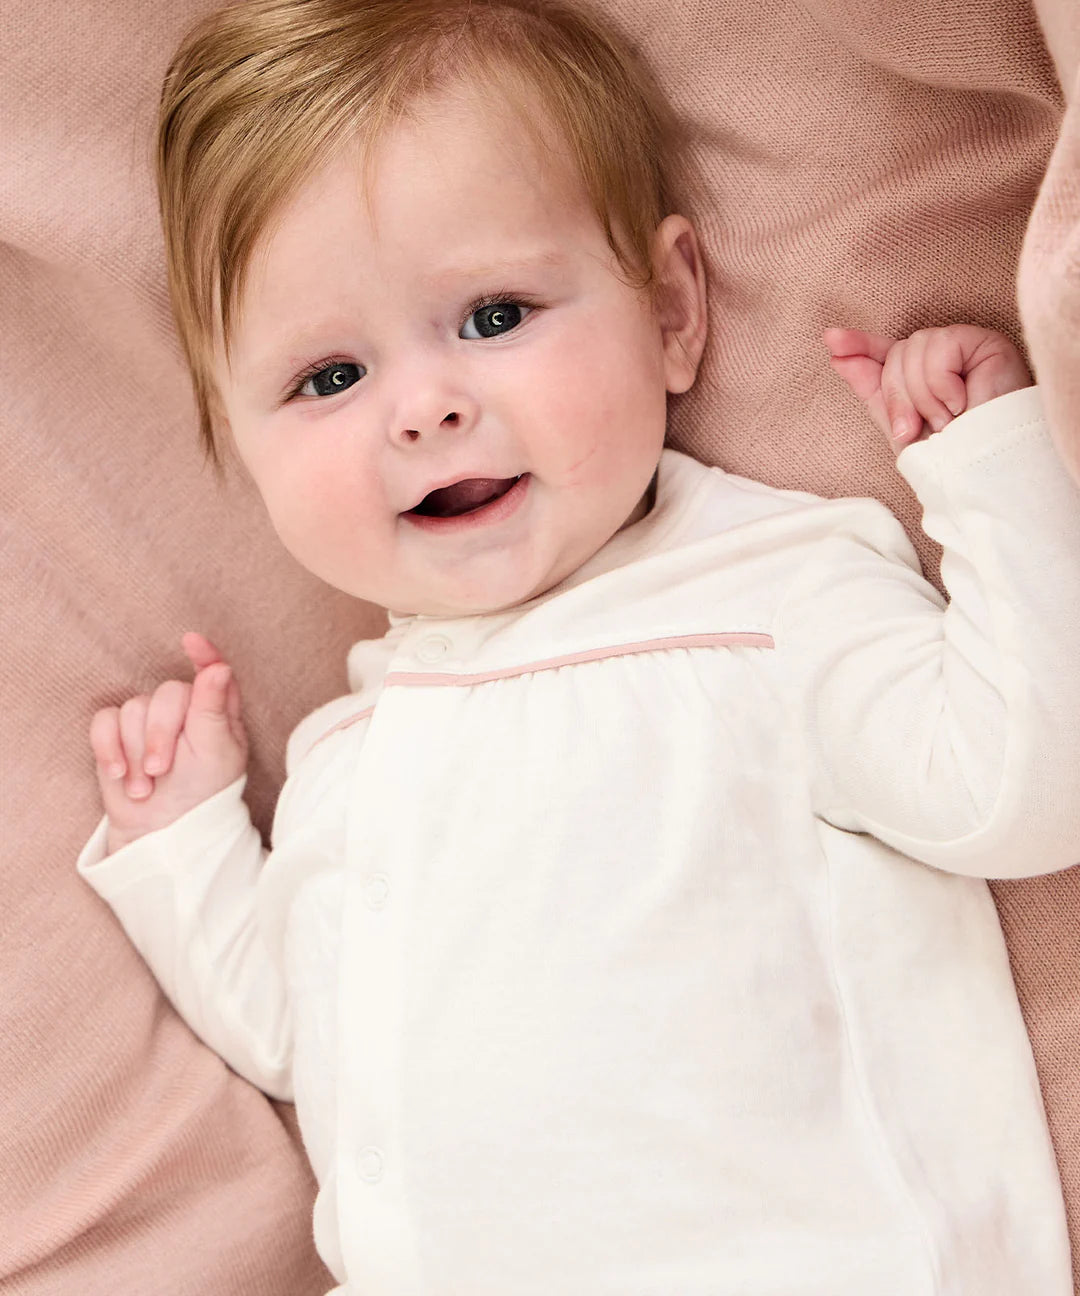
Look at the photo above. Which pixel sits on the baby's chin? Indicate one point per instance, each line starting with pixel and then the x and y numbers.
pixel 507 591
pixel 479 602
pixel 478 606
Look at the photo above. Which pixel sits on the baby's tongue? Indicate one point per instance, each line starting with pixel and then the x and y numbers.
pixel 464 495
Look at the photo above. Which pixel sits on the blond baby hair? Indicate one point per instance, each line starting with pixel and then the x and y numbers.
pixel 260 93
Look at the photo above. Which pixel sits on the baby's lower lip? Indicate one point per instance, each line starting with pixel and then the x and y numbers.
pixel 487 515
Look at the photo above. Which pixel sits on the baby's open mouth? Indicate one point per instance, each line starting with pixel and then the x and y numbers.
pixel 464 496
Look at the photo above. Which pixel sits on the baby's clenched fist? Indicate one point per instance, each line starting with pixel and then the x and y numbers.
pixel 913 387
pixel 160 755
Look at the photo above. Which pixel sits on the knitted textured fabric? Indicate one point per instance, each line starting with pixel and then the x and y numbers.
pixel 864 164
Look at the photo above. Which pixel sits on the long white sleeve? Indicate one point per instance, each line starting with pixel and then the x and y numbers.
pixel 952 733
pixel 187 898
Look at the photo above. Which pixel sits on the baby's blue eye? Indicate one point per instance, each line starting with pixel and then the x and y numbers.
pixel 492 320
pixel 334 378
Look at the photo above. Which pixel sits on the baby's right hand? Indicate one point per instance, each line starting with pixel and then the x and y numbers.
pixel 158 757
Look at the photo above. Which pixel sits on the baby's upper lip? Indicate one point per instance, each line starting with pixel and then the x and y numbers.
pixel 443 482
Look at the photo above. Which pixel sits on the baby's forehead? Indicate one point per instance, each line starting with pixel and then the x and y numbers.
pixel 447 151
pixel 512 123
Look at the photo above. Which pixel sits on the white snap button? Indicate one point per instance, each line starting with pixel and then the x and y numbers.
pixel 376 891
pixel 433 647
pixel 370 1164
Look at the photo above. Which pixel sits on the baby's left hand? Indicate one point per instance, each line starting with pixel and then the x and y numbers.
pixel 914 387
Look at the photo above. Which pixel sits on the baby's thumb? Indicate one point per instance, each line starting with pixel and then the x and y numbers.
pixel 214 709
pixel 861 374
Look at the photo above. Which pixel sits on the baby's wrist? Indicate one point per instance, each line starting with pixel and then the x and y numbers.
pixel 116 839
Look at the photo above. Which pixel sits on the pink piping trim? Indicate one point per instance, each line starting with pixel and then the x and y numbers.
pixel 341 724
pixel 732 639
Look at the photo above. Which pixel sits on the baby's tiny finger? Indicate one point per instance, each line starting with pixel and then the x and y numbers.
pixel 951 390
pixel 164 721
pixel 905 421
pixel 843 342
pixel 105 742
pixel 133 736
pixel 943 367
pixel 920 360
pixel 200 651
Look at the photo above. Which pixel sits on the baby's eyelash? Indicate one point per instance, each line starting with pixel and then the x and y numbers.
pixel 311 371
pixel 504 295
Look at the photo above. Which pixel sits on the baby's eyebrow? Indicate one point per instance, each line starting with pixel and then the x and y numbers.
pixel 266 372
pixel 495 268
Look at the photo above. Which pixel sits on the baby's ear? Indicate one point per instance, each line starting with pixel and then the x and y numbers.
pixel 680 300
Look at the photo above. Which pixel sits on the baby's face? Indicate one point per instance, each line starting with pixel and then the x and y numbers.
pixel 462 322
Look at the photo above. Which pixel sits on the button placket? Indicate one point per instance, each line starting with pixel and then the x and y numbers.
pixel 370 1160
pixel 372 1202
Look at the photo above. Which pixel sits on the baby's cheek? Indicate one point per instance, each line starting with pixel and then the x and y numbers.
pixel 585 420
pixel 313 514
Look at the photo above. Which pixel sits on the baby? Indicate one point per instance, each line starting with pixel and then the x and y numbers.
pixel 623 932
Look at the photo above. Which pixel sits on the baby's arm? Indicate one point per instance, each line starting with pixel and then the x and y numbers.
pixel 178 861
pixel 951 731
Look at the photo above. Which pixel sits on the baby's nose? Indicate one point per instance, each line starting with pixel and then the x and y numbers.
pixel 448 420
